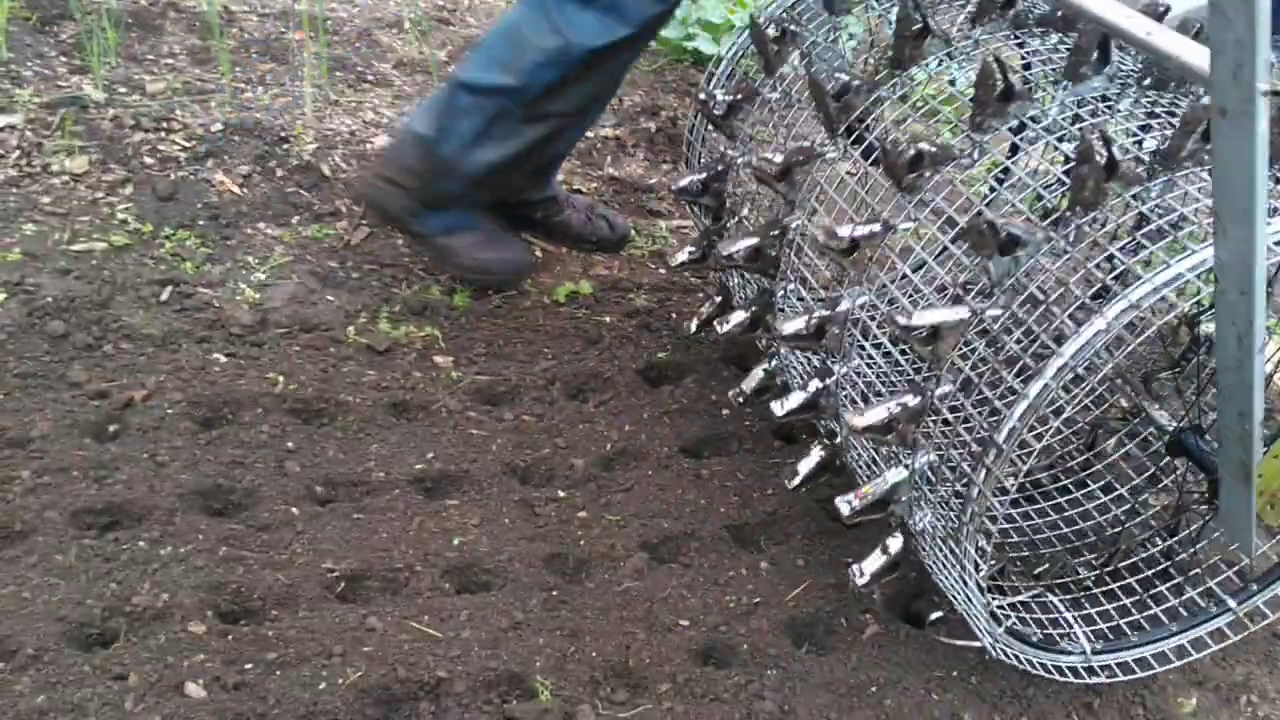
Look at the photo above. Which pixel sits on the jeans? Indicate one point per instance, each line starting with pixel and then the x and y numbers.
pixel 499 129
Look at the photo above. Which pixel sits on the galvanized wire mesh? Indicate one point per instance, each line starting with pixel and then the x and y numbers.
pixel 1044 501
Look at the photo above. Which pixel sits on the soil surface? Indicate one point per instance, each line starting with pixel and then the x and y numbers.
pixel 257 463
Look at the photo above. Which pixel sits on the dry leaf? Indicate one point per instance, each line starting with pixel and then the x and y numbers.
pixel 223 183
pixel 77 165
pixel 89 246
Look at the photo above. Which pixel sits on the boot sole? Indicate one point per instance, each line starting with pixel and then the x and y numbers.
pixel 395 217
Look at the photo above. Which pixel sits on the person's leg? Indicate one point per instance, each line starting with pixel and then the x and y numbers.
pixel 482 153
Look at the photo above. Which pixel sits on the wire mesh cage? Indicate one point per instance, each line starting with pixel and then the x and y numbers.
pixel 742 178
pixel 991 229
pixel 1010 289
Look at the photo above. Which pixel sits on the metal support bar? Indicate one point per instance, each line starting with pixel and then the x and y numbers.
pixel 1151 38
pixel 1240 41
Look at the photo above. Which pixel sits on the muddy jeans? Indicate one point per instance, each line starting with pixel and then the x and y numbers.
pixel 501 126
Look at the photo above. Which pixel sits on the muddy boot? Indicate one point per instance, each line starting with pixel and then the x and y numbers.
pixel 469 245
pixel 572 221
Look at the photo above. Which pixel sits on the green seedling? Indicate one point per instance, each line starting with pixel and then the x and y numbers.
pixel 565 292
pixel 7 8
pixel 460 299
pixel 543 688
pixel 10 256
pixel 100 30
pixel 221 45
pixel 648 239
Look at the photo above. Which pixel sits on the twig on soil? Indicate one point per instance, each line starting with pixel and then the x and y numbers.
pixel 601 711
pixel 424 629
pixel 796 592
pixel 542 245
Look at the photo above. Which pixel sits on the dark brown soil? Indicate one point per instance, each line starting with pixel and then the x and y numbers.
pixel 255 463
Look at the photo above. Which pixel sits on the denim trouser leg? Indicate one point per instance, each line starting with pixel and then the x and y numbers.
pixel 501 126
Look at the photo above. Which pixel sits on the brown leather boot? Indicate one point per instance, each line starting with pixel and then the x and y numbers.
pixel 572 221
pixel 470 245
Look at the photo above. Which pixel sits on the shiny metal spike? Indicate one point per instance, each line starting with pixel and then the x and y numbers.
pixel 848 240
pixel 746 319
pixel 895 419
pixel 804 397
pixel 687 255
pixel 943 316
pixel 874 565
pixel 765 236
pixel 815 322
pixel 710 311
pixel 705 187
pixel 890 482
pixel 758 379
pixel 697 251
pixel 821 457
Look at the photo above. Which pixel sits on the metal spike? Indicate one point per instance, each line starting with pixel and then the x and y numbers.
pixel 894 420
pixel 714 308
pixel 763 237
pixel 758 379
pixel 698 250
pixel 848 240
pixel 873 567
pixel 706 187
pixel 746 319
pixel 810 394
pixel 821 457
pixel 812 325
pixel 890 482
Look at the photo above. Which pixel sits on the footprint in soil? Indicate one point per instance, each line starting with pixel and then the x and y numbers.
pixel 811 633
pixel 360 587
pixel 312 410
pixel 758 536
pixel 741 353
pixel 711 444
pixel 509 687
pixel 107 517
pixel 408 409
pixel 569 567
pixel 93 636
pixel 794 432
pixel 471 578
pixel 105 426
pixel 618 458
pixel 214 412
pixel 664 371
pixel 673 549
pixel 580 388
pixel 337 489
pixel 716 654
pixel 394 699
pixel 233 604
pixel 438 483
pixel 543 471
pixel 220 500
pixel 12 533
pixel 495 394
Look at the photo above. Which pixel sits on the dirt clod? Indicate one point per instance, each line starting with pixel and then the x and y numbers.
pixel 470 578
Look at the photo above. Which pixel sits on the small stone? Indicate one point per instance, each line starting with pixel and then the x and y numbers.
pixel 292 467
pixel 635 566
pixel 337 651
pixel 561 443
pixel 155 87
pixel 77 376
pixel 55 329
pixel 195 627
pixel 373 624
pixel 619 697
pixel 165 189
pixel 194 690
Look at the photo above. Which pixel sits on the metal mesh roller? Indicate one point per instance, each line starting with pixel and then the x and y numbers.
pixel 994 296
